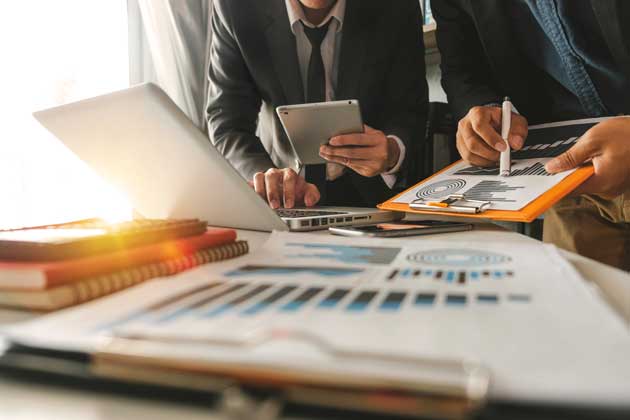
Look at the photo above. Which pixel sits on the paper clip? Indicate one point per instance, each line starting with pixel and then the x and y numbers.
pixel 454 203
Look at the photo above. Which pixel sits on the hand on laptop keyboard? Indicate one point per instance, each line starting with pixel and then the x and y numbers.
pixel 284 186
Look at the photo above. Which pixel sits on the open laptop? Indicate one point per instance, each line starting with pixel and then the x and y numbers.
pixel 146 147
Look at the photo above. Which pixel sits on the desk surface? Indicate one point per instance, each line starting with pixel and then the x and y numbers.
pixel 22 398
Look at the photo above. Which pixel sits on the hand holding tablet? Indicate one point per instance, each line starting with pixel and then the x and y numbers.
pixel 309 126
pixel 334 132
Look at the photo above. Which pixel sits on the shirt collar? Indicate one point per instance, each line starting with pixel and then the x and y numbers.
pixel 296 14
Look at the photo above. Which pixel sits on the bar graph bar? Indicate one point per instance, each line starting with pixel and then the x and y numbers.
pixel 301 300
pixel 361 301
pixel 456 300
pixel 392 301
pixel 236 301
pixel 425 299
pixel 191 308
pixel 391 276
pixel 269 300
pixel 519 298
pixel 333 299
pixel 487 298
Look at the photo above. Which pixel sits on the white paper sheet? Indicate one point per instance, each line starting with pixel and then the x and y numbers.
pixel 520 310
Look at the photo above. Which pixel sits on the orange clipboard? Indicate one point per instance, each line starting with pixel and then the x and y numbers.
pixel 527 214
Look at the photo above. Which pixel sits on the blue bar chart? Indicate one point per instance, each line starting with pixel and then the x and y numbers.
pixel 251 299
pixel 460 277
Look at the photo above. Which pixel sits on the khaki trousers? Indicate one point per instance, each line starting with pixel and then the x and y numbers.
pixel 592 226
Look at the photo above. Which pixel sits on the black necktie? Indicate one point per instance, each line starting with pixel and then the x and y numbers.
pixel 316 78
pixel 316 92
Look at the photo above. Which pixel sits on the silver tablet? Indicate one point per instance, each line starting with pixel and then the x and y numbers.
pixel 308 126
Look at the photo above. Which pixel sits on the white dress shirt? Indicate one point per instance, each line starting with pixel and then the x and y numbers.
pixel 330 49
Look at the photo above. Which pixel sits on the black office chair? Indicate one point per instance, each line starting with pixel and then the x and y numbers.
pixel 438 148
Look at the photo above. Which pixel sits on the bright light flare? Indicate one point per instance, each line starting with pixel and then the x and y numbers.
pixel 55 52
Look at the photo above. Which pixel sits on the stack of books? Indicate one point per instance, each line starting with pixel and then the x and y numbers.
pixel 54 267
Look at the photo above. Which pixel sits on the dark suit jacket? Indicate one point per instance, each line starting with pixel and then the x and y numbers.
pixel 254 62
pixel 481 63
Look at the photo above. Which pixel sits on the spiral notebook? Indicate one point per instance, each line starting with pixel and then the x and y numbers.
pixel 97 286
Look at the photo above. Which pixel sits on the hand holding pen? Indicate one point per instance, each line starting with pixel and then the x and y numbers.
pixel 479 140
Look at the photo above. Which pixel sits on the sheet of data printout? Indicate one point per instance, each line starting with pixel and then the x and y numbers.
pixel 518 308
pixel 527 181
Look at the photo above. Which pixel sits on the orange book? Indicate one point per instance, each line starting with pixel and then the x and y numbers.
pixel 94 287
pixel 44 275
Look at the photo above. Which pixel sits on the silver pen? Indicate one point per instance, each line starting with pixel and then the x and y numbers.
pixel 505 166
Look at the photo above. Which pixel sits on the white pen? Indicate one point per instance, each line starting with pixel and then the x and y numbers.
pixel 505 166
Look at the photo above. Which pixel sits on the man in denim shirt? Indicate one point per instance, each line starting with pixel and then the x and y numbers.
pixel 557 60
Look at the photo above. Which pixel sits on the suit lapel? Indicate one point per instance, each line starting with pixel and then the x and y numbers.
pixel 498 41
pixel 356 35
pixel 283 52
pixel 609 15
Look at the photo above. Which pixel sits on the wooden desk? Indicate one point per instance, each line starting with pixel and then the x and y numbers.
pixel 22 398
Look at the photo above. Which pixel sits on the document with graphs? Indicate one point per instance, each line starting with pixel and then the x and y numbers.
pixel 477 318
pixel 528 180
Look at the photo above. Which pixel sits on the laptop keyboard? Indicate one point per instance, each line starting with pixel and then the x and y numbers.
pixel 295 213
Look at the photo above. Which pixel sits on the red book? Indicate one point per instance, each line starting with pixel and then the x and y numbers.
pixel 44 275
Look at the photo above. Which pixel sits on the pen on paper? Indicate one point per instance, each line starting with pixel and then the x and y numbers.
pixel 506 120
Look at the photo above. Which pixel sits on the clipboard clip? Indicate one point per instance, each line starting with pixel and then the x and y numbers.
pixel 454 203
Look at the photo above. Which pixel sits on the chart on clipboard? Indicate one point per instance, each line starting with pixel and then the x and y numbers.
pixel 522 196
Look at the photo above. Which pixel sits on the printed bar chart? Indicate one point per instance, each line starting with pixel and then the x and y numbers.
pixel 538 151
pixel 250 299
pixel 491 191
pixel 460 277
pixel 536 169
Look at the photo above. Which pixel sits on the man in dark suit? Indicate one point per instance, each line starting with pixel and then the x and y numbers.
pixel 277 52
pixel 556 60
